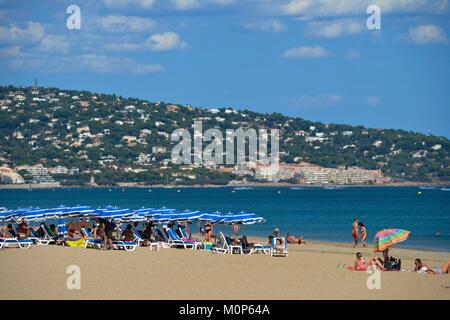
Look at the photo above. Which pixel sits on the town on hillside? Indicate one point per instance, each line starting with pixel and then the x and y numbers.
pixel 69 137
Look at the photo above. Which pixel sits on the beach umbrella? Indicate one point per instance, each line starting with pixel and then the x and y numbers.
pixel 80 211
pixel 213 217
pixel 113 213
pixel 160 214
pixel 33 214
pixel 388 237
pixel 6 215
pixel 57 212
pixel 136 217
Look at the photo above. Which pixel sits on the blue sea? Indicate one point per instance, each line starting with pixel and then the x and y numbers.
pixel 315 213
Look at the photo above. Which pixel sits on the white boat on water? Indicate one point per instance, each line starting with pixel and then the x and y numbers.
pixel 445 189
pixel 427 188
pixel 242 188
pixel 297 188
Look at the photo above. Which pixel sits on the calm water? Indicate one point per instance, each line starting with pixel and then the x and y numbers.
pixel 316 213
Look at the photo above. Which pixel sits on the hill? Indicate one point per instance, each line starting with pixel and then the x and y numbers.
pixel 111 138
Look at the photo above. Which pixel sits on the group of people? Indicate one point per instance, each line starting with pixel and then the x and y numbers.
pixel 387 263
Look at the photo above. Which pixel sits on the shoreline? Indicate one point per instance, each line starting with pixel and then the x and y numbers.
pixel 250 185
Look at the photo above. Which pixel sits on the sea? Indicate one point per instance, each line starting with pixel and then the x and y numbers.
pixel 316 213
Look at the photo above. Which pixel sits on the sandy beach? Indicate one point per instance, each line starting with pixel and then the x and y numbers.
pixel 309 272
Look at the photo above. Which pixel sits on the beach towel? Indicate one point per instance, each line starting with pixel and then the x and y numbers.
pixel 75 243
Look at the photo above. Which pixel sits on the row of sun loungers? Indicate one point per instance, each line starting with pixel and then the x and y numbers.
pixel 277 248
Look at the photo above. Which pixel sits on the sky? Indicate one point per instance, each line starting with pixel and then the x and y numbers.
pixel 314 59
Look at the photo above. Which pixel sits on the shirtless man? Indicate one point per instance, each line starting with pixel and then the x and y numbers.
pixel 355 229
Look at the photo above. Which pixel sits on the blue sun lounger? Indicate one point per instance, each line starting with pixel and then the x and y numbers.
pixel 176 241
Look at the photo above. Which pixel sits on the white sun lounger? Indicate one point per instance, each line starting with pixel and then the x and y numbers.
pixel 11 242
pixel 227 248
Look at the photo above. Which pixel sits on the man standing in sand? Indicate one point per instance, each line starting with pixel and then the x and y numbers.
pixel 355 231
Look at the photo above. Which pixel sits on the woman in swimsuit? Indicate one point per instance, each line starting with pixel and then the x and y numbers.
pixel 422 267
pixel 208 231
pixel 363 234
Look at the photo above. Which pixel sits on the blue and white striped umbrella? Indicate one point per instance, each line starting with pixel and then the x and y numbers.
pixel 136 217
pixel 6 215
pixel 57 212
pixel 33 214
pixel 232 218
pixel 113 213
pixel 187 215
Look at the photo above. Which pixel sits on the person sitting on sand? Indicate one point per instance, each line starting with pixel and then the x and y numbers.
pixel 389 262
pixel 422 267
pixel 360 263
pixel 127 234
pixel 293 240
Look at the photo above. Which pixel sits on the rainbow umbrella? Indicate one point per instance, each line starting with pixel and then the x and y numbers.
pixel 388 237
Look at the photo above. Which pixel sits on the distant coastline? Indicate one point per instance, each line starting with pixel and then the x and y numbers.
pixel 252 185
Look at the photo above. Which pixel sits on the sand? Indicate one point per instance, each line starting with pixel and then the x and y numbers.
pixel 309 272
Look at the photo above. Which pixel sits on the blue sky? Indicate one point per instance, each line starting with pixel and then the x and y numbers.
pixel 313 59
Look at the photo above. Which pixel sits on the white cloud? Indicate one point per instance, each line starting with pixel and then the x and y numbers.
pixel 425 34
pixel 123 24
pixel 54 43
pixel 94 63
pixel 185 4
pixel 373 100
pixel 32 33
pixel 195 4
pixel 105 64
pixel 353 54
pixel 146 4
pixel 306 52
pixel 358 7
pixel 271 25
pixel 316 101
pixel 14 51
pixel 166 41
pixel 334 28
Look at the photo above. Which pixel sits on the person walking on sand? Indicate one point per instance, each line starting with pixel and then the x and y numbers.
pixel 363 234
pixel 355 229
